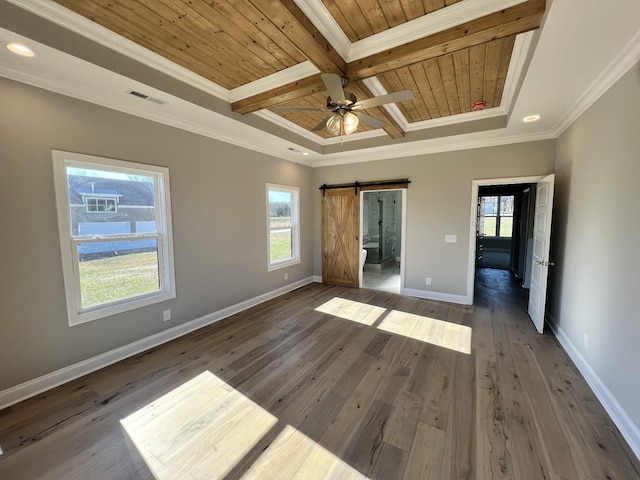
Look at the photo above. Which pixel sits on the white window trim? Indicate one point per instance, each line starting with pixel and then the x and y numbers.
pixel 70 265
pixel 295 226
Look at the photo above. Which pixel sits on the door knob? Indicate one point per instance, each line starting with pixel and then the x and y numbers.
pixel 545 264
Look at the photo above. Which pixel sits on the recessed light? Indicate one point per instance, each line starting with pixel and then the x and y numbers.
pixel 531 118
pixel 20 49
pixel 306 153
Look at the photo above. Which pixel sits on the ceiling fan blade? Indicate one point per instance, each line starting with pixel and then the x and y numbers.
pixel 314 109
pixel 383 99
pixel 321 125
pixel 367 120
pixel 333 83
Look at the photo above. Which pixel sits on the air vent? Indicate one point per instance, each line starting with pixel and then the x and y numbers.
pixel 146 97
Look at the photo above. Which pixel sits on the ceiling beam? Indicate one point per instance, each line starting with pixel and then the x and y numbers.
pixel 279 95
pixel 288 17
pixel 519 19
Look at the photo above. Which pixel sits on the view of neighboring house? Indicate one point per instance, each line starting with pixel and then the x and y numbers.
pixel 109 206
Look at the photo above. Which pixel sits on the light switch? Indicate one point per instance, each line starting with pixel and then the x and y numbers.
pixel 451 238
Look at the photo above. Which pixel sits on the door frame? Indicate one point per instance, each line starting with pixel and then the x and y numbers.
pixel 403 230
pixel 475 185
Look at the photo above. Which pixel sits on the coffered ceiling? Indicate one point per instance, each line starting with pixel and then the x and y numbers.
pixel 238 59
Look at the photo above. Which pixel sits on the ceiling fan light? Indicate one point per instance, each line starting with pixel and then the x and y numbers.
pixel 333 125
pixel 351 122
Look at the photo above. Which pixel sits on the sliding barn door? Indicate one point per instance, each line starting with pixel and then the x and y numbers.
pixel 340 237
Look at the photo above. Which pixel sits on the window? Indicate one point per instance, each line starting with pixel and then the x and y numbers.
pixel 498 216
pixel 96 205
pixel 283 234
pixel 115 235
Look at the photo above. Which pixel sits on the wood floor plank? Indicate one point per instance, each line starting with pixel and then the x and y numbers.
pixel 367 440
pixel 493 459
pixel 459 451
pixel 433 381
pixel 524 441
pixel 293 391
pixel 425 459
pixel 544 414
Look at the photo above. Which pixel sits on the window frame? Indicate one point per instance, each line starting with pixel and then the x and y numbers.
pixel 498 216
pixel 69 242
pixel 295 226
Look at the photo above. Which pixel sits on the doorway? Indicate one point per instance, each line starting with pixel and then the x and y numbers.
pixel 512 217
pixel 505 223
pixel 382 214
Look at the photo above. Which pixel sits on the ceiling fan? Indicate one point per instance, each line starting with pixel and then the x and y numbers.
pixel 346 108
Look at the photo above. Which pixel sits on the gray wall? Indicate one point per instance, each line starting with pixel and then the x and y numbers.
pixel 594 287
pixel 438 203
pixel 219 226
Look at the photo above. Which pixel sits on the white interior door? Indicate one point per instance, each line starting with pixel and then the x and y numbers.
pixel 540 262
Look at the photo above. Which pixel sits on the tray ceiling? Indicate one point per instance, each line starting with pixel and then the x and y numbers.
pixel 219 67
pixel 236 43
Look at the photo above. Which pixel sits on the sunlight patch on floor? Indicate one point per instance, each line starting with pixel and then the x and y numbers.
pixel 201 429
pixel 437 332
pixel 350 310
pixel 294 455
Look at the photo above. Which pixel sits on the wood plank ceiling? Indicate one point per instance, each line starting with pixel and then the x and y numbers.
pixel 235 42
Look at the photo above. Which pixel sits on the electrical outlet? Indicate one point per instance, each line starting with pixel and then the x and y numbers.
pixel 286 276
pixel 428 280
pixel 166 315
pixel 586 341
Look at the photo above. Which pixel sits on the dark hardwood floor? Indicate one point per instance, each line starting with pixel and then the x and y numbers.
pixel 331 382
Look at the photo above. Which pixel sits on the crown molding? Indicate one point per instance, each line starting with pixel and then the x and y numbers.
pixel 221 128
pixel 621 64
pixel 274 146
pixel 426 147
pixel 83 26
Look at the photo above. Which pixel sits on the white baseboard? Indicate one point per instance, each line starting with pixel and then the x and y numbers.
pixel 317 278
pixel 627 427
pixel 442 297
pixel 51 380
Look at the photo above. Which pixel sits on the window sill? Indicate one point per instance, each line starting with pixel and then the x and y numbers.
pixel 97 312
pixel 283 264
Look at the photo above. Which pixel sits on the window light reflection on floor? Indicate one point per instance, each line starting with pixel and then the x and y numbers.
pixel 201 429
pixel 437 332
pixel 294 455
pixel 350 310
